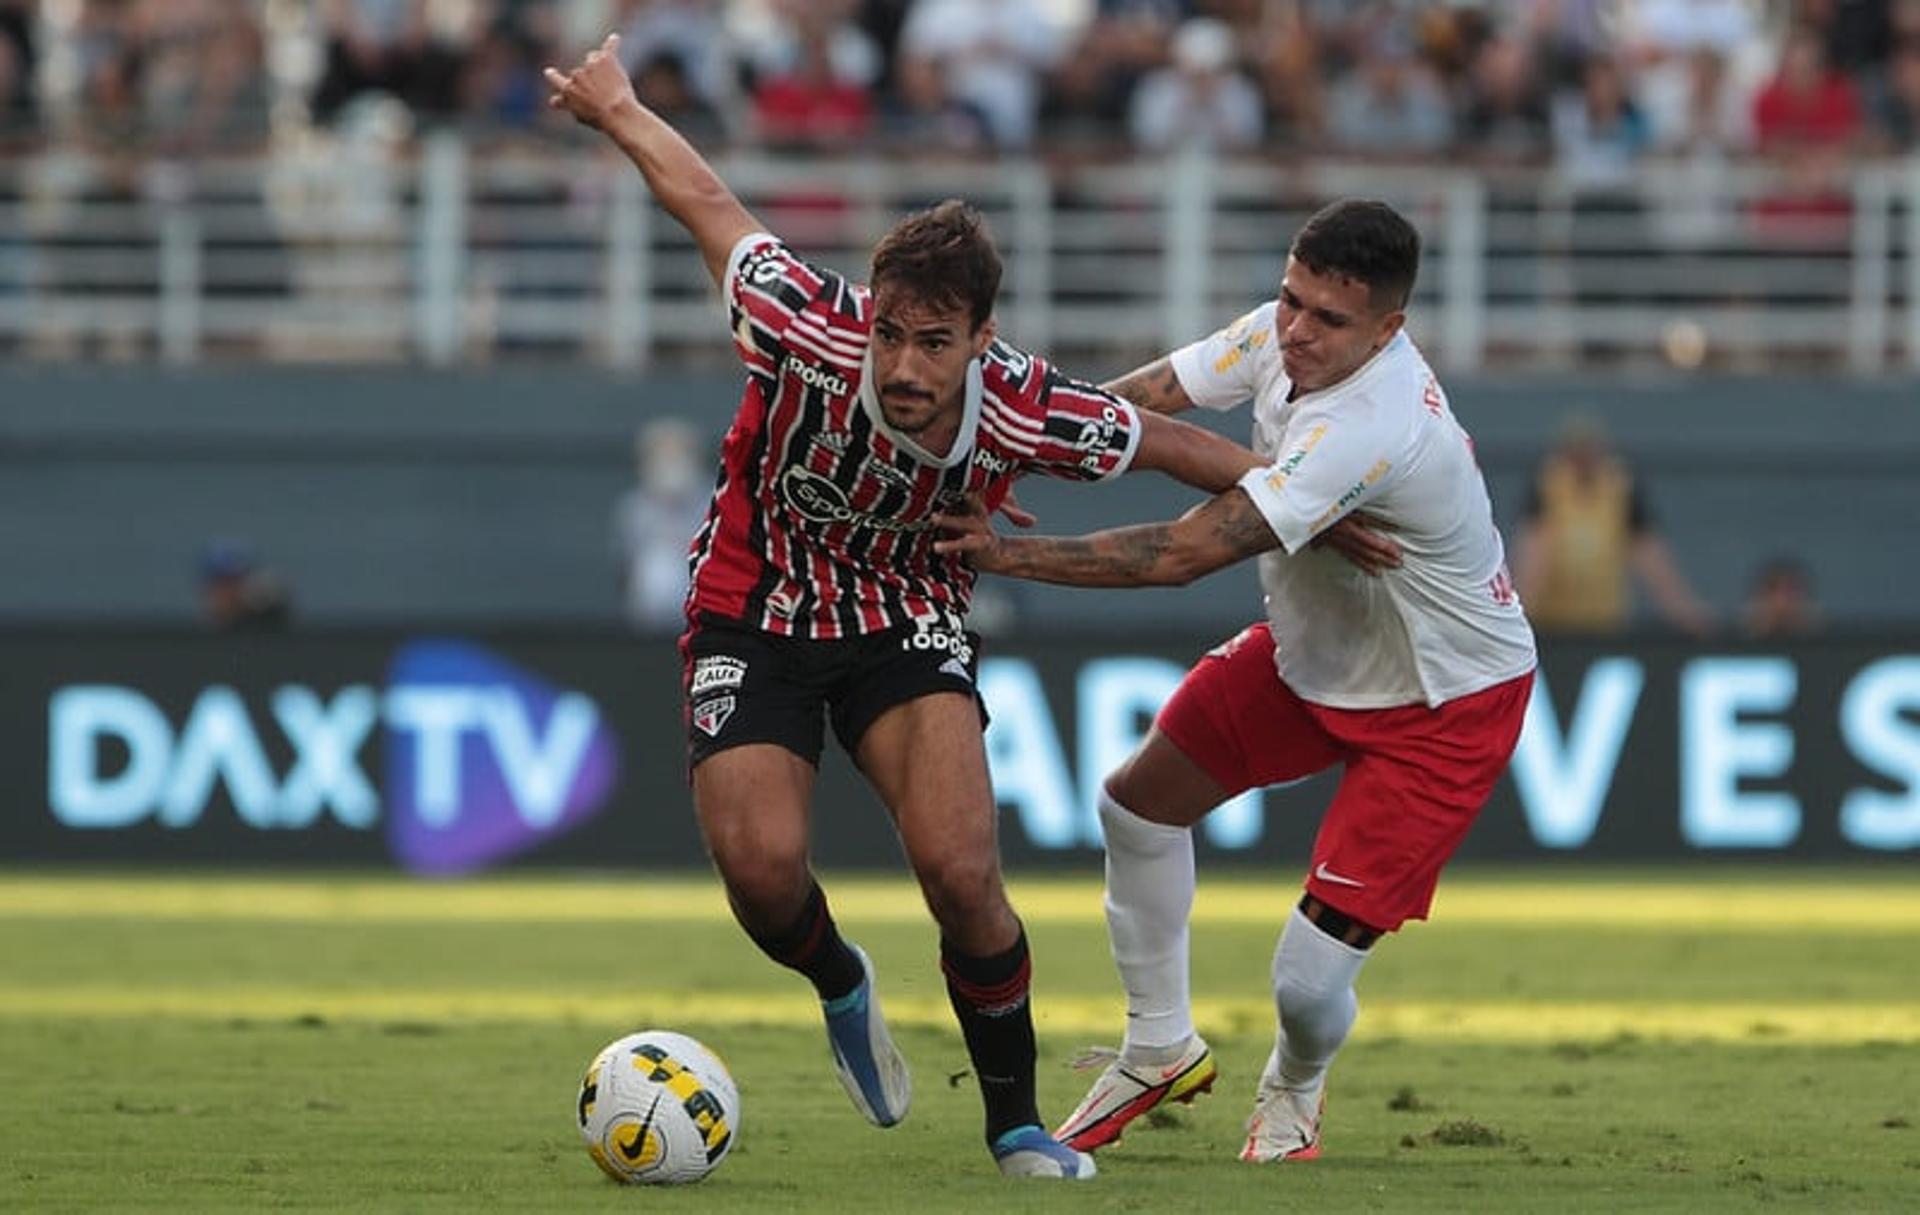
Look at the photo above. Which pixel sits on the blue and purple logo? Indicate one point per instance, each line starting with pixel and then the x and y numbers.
pixel 485 760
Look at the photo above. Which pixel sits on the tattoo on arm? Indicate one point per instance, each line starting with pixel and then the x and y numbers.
pixel 1218 533
pixel 1121 556
pixel 1153 387
pixel 1238 527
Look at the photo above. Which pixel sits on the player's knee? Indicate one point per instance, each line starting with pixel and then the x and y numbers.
pixel 1173 794
pixel 759 876
pixel 964 892
pixel 1121 788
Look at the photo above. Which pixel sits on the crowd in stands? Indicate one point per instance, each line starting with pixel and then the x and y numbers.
pixel 1591 85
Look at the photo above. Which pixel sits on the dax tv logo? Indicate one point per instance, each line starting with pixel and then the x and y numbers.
pixel 479 759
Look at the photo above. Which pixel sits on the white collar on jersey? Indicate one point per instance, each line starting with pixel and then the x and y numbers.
pixel 962 448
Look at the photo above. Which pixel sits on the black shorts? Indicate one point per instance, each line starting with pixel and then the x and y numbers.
pixel 745 686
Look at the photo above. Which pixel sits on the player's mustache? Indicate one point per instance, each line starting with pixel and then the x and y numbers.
pixel 905 390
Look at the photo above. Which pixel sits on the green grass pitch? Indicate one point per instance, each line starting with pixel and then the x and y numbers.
pixel 1561 1039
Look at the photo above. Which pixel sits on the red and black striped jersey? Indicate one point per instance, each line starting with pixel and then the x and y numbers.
pixel 822 518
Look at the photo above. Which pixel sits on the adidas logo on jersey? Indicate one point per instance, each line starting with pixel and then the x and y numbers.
pixel 955 668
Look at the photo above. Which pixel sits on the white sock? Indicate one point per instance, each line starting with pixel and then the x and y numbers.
pixel 1149 897
pixel 1313 978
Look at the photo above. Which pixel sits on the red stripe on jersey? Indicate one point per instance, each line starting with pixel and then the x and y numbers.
pixel 722 563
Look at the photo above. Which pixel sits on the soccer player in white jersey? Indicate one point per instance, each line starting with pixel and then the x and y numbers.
pixel 1401 653
pixel 818 597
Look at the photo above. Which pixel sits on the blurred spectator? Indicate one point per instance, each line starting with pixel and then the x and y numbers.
pixel 1808 104
pixel 1694 106
pixel 18 62
pixel 1856 34
pixel 1897 107
pixel 814 75
pixel 1284 44
pixel 1599 134
pixel 654 523
pixel 1588 532
pixel 1202 100
pixel 1780 601
pixel 105 45
pixel 198 74
pixel 1573 33
pixel 1505 116
pixel 1809 119
pixel 501 87
pixel 1688 76
pixel 1678 27
pixel 238 595
pixel 881 21
pixel 690 33
pixel 1093 85
pixel 1389 104
pixel 986 57
pixel 386 46
pixel 663 86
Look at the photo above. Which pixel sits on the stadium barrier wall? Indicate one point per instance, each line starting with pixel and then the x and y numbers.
pixel 447 755
pixel 484 497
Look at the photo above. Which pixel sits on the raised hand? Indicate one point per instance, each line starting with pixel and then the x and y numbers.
pixel 595 91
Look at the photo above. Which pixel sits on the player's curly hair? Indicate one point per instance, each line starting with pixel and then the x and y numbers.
pixel 1366 241
pixel 944 255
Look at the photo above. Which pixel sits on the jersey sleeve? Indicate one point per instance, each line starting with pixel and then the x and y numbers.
pixel 1220 371
pixel 1325 472
pixel 767 287
pixel 1086 434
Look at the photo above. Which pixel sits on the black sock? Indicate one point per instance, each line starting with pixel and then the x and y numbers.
pixel 812 946
pixel 990 997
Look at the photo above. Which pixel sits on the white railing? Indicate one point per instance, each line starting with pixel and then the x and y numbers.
pixel 459 255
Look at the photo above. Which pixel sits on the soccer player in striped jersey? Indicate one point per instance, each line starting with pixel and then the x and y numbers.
pixel 817 594
pixel 1414 680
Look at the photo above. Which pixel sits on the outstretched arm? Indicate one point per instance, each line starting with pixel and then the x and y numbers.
pixel 1213 535
pixel 1654 562
pixel 1191 455
pixel 600 94
pixel 1153 387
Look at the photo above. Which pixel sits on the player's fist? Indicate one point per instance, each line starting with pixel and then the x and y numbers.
pixel 595 91
pixel 1360 538
pixel 969 533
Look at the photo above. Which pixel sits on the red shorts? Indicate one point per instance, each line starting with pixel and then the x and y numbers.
pixel 1415 779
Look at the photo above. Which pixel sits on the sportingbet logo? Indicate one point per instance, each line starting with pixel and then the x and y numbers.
pixel 482 760
pixel 815 497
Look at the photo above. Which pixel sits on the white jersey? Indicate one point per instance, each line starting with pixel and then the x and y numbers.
pixel 1447 622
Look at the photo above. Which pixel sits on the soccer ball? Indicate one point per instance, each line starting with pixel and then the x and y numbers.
pixel 658 1108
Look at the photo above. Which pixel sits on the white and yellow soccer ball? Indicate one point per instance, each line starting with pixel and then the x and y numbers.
pixel 658 1108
